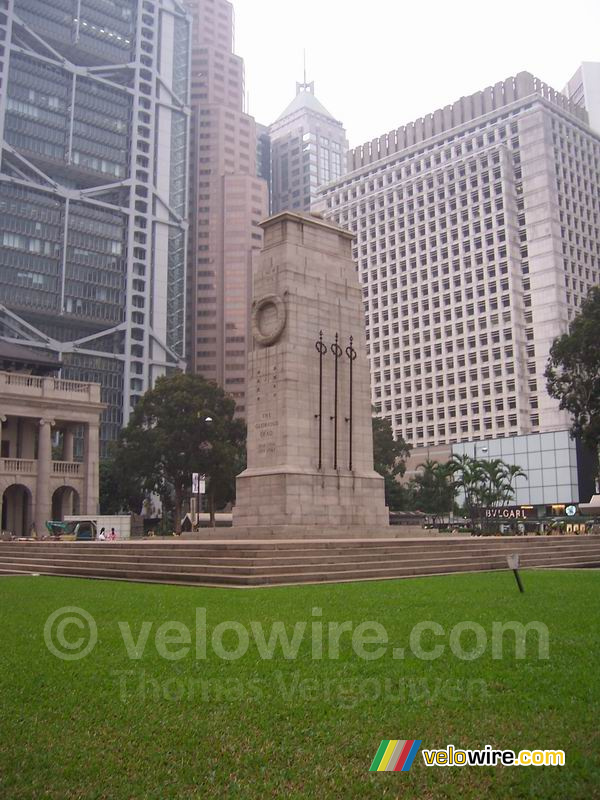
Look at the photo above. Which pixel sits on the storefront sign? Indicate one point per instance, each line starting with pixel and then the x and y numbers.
pixel 508 512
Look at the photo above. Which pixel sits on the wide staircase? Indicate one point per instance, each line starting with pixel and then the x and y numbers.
pixel 267 563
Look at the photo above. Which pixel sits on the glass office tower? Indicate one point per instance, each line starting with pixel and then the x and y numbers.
pixel 94 119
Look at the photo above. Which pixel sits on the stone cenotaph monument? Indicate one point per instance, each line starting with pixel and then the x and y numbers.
pixel 310 444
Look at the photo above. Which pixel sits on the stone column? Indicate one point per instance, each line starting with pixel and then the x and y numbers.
pixel 43 499
pixel 68 444
pixel 91 464
pixel 2 419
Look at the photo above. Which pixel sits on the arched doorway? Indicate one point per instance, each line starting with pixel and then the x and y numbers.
pixel 65 501
pixel 17 510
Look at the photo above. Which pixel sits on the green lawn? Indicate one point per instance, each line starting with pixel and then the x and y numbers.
pixel 260 728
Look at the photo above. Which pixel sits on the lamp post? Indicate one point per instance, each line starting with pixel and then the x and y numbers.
pixel 483 450
pixel 202 478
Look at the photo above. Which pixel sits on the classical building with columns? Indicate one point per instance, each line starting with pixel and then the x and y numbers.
pixel 43 475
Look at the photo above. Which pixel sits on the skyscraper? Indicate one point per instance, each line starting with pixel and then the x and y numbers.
pixel 228 202
pixel 308 149
pixel 584 90
pixel 93 188
pixel 263 154
pixel 477 238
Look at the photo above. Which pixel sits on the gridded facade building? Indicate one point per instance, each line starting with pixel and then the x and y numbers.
pixel 228 200
pixel 477 238
pixel 93 188
pixel 584 90
pixel 263 154
pixel 308 149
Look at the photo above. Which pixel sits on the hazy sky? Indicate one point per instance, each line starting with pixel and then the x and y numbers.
pixel 380 64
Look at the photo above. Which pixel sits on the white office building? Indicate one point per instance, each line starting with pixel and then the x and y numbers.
pixel 477 239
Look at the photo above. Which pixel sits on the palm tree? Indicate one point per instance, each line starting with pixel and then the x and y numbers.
pixel 433 490
pixel 512 473
pixel 468 476
pixel 494 481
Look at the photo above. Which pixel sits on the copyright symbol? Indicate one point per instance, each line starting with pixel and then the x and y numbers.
pixel 71 647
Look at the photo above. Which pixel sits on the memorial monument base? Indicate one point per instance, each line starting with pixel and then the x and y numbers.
pixel 288 496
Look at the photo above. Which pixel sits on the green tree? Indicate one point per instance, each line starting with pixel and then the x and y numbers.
pixel 185 424
pixel 389 458
pixel 433 490
pixel 483 483
pixel 120 490
pixel 466 479
pixel 573 372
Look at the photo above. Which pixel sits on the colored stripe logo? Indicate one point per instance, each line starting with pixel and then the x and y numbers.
pixel 395 755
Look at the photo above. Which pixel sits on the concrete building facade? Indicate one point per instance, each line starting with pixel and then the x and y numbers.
pixel 584 91
pixel 228 202
pixel 477 238
pixel 308 149
pixel 93 189
pixel 39 482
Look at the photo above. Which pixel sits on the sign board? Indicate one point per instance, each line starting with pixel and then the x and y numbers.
pixel 508 512
pixel 198 483
pixel 513 561
pixel 570 511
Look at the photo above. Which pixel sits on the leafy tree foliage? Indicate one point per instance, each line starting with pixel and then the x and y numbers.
pixel 389 456
pixel 185 424
pixel 573 371
pixel 119 489
pixel 433 489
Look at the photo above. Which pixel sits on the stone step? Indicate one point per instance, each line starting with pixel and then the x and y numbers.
pixel 284 562
pixel 291 577
pixel 250 552
pixel 298 561
pixel 494 560
pixel 256 550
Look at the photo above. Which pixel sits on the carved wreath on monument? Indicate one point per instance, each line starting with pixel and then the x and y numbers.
pixel 268 319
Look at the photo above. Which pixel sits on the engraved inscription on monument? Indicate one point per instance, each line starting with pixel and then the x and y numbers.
pixel 266 430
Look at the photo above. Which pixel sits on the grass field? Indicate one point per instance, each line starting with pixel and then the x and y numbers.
pixel 111 726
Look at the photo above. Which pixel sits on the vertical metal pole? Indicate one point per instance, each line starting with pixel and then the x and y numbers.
pixel 518 579
pixel 351 353
pixel 337 352
pixel 198 505
pixel 321 349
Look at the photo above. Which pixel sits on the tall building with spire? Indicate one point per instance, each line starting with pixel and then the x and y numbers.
pixel 308 149
pixel 228 200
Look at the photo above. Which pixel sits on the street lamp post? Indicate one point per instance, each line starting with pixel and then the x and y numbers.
pixel 483 450
pixel 202 478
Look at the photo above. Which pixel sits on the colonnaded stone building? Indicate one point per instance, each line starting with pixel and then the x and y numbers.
pixel 477 239
pixel 40 416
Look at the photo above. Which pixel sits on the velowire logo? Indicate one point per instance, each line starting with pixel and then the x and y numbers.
pixel 395 755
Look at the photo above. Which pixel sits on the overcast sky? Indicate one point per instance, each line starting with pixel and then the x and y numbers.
pixel 380 64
